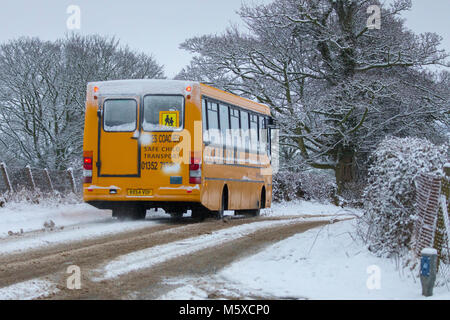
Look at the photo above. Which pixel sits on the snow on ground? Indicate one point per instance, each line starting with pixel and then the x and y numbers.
pixel 72 234
pixel 20 218
pixel 155 255
pixel 65 223
pixel 28 290
pixel 29 217
pixel 301 207
pixel 74 222
pixel 323 263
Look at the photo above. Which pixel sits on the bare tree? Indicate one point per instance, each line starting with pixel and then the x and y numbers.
pixel 43 89
pixel 336 86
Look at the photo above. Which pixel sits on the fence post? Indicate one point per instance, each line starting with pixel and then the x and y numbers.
pixel 6 177
pixel 49 180
pixel 72 180
pixel 30 175
pixel 428 270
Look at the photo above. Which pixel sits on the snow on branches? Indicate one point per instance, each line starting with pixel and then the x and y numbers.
pixel 389 198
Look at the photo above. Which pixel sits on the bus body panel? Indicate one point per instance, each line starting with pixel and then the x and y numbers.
pixel 145 165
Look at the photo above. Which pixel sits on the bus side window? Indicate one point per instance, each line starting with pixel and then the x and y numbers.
pixel 245 130
pixel 253 133
pixel 224 124
pixel 235 129
pixel 263 148
pixel 213 123
pixel 204 122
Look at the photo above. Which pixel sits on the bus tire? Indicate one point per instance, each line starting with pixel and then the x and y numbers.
pixel 176 215
pixel 223 204
pixel 130 213
pixel 249 212
pixel 139 213
pixel 199 214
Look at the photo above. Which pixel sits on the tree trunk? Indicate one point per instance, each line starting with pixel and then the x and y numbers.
pixel 345 170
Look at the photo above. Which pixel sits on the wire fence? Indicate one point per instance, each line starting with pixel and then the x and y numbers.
pixel 14 180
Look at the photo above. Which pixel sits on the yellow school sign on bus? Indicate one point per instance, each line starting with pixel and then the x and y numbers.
pixel 168 119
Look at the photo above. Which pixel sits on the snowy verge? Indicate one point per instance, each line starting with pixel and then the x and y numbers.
pixel 322 263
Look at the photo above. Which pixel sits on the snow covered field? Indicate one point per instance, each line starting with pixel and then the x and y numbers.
pixel 324 263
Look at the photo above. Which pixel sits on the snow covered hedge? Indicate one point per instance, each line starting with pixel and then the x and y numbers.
pixel 38 197
pixel 389 198
pixel 309 185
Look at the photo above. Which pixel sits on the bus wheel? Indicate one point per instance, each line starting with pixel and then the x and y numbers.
pixel 199 214
pixel 262 204
pixel 255 212
pixel 176 215
pixel 250 213
pixel 130 213
pixel 138 213
pixel 220 212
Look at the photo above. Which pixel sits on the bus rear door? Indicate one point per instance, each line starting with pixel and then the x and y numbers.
pixel 118 138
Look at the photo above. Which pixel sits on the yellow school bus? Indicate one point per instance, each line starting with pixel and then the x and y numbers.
pixel 178 146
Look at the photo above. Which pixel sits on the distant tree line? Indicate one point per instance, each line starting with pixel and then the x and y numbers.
pixel 43 93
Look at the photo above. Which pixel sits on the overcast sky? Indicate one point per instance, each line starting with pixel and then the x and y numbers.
pixel 157 27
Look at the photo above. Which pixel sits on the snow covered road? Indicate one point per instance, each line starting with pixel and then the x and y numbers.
pixel 114 257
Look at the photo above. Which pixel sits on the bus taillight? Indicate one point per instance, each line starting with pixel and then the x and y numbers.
pixel 195 170
pixel 87 166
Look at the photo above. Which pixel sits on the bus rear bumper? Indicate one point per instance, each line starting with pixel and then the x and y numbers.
pixel 113 193
pixel 168 206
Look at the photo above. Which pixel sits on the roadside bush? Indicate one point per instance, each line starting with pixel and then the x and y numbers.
pixel 38 197
pixel 389 198
pixel 308 185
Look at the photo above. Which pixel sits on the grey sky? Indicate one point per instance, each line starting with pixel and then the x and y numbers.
pixel 158 27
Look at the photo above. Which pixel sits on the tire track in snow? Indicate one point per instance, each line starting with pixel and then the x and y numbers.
pixel 147 258
pixel 51 262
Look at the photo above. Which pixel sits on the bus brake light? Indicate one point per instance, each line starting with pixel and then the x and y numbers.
pixel 195 170
pixel 87 166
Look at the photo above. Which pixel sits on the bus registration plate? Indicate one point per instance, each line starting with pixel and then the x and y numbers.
pixel 140 192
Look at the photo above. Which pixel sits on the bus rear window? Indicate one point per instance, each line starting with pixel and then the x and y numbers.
pixel 120 115
pixel 163 113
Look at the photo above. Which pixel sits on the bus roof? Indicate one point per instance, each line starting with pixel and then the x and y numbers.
pixel 144 86
pixel 234 99
pixel 162 86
